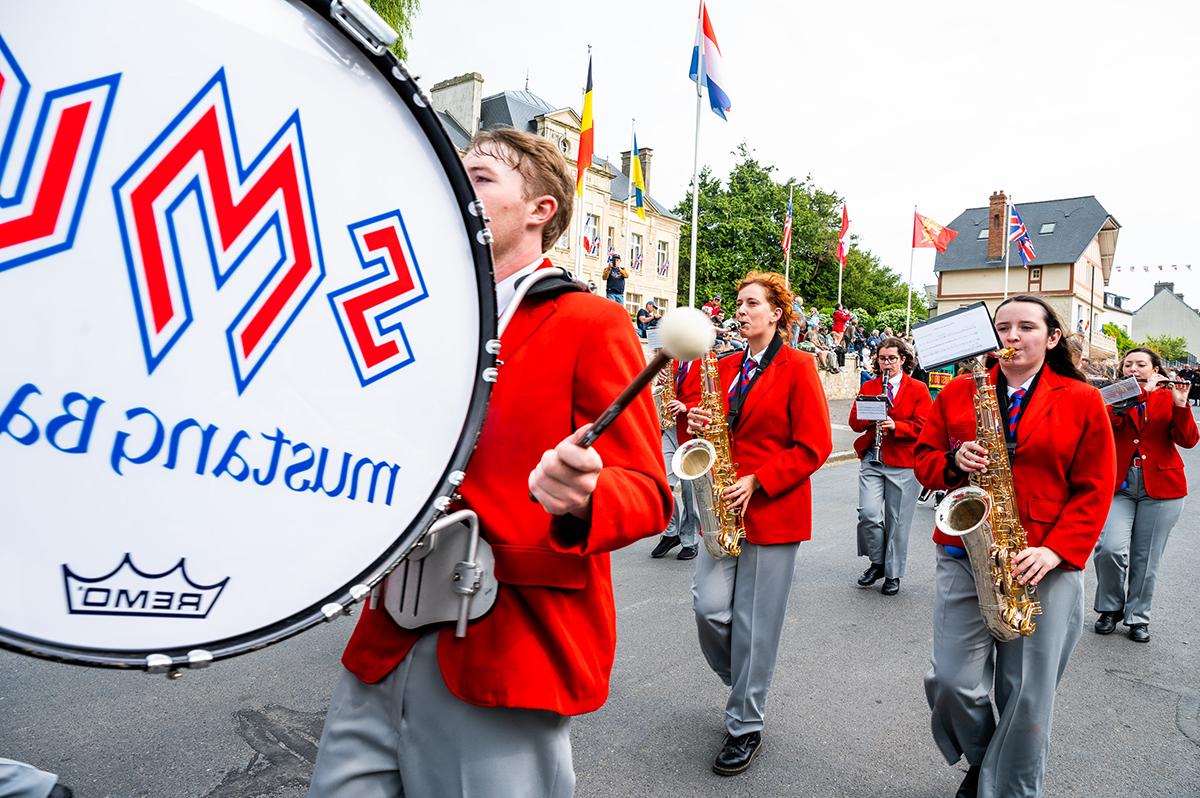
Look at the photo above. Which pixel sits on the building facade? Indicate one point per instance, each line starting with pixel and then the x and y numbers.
pixel 1074 241
pixel 1116 311
pixel 1166 313
pixel 649 248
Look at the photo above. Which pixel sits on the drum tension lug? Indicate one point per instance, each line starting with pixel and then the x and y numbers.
pixel 468 576
pixel 362 23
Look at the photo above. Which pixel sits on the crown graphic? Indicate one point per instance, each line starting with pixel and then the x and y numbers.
pixel 128 590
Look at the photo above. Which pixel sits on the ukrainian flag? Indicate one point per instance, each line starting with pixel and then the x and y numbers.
pixel 639 184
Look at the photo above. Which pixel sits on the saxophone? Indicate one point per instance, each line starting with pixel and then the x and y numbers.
pixel 663 396
pixel 984 515
pixel 708 462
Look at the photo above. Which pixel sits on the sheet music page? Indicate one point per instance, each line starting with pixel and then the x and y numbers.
pixel 1121 390
pixel 955 336
pixel 871 408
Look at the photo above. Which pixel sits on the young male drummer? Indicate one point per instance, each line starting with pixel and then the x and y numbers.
pixel 489 714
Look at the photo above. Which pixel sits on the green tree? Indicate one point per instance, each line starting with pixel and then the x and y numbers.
pixel 399 14
pixel 1169 347
pixel 1124 342
pixel 740 226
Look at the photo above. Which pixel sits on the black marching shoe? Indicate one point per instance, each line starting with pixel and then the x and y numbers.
pixel 686 553
pixel 1139 632
pixel 870 576
pixel 737 753
pixel 891 586
pixel 1107 622
pixel 970 785
pixel 665 544
pixel 61 791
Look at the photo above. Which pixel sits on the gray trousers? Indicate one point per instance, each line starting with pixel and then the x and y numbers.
pixel 18 780
pixel 685 518
pixel 887 498
pixel 740 604
pixel 967 660
pixel 408 735
pixel 1131 546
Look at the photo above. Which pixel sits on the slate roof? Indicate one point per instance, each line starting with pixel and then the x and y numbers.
pixel 520 109
pixel 1077 222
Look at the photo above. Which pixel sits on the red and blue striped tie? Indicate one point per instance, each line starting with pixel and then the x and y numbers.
pixel 1014 411
pixel 681 375
pixel 890 392
pixel 743 383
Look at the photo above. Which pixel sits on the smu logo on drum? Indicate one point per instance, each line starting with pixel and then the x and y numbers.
pixel 127 590
pixel 265 207
pixel 42 195
pixel 366 310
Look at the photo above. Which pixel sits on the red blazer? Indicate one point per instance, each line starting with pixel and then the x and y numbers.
pixel 912 405
pixel 548 642
pixel 1064 467
pixel 1165 427
pixel 689 394
pixel 783 437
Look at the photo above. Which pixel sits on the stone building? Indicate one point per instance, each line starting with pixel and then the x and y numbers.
pixel 649 249
pixel 1165 313
pixel 1074 240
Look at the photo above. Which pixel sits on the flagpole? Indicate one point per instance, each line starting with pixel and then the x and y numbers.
pixel 582 191
pixel 841 265
pixel 908 310
pixel 695 180
pixel 787 253
pixel 628 198
pixel 1007 222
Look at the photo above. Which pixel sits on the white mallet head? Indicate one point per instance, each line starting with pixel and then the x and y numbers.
pixel 686 333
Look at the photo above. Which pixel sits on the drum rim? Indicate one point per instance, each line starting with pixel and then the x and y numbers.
pixel 174 659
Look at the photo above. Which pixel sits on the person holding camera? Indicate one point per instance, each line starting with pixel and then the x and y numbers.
pixel 614 280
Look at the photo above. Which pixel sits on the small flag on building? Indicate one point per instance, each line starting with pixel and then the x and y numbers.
pixel 664 269
pixel 1018 235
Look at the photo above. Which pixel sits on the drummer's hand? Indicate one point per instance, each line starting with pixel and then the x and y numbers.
pixel 698 420
pixel 971 456
pixel 564 480
pixel 738 494
pixel 676 406
pixel 1030 565
pixel 888 423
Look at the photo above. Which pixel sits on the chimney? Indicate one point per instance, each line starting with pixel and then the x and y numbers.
pixel 645 155
pixel 460 97
pixel 997 227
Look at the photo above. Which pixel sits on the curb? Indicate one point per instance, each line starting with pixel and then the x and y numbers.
pixel 844 456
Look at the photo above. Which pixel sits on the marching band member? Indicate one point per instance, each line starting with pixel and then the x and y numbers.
pixel 887 487
pixel 780 435
pixel 1149 495
pixel 684 527
pixel 1062 473
pixel 429 714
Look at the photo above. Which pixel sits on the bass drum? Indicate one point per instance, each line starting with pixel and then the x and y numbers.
pixel 246 307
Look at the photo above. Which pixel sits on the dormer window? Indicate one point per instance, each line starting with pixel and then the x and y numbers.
pixel 1046 229
pixel 982 233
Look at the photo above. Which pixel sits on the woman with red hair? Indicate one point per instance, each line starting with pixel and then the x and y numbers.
pixel 779 436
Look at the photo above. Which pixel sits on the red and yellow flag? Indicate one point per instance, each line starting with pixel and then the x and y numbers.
pixel 587 136
pixel 928 233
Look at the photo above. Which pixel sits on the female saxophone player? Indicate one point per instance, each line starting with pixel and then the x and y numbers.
pixel 1150 487
pixel 1062 474
pixel 780 434
pixel 887 487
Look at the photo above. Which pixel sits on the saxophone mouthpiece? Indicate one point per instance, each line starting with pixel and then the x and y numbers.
pixel 1007 353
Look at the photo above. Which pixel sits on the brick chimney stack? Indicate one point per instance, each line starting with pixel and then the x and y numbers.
pixel 646 156
pixel 997 225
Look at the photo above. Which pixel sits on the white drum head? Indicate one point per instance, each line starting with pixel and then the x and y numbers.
pixel 245 293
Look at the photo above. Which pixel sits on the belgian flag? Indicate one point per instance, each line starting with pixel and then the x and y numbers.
pixel 587 137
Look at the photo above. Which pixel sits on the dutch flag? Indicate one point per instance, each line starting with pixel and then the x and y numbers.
pixel 708 69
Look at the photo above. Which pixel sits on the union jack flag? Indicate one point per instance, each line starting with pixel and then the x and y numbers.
pixel 786 243
pixel 664 269
pixel 637 262
pixel 1018 235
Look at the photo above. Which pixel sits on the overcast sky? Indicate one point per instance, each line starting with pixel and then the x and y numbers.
pixel 889 104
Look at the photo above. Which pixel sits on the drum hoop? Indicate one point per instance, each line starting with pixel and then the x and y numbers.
pixel 173 660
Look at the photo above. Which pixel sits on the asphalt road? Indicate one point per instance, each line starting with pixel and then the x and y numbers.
pixel 846 716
